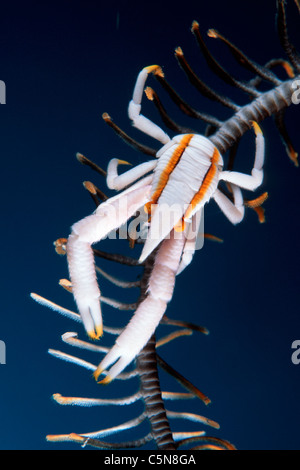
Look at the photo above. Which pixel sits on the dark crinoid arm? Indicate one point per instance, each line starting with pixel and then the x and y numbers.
pixel 153 417
pixel 262 104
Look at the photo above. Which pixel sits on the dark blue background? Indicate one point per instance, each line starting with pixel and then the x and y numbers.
pixel 64 63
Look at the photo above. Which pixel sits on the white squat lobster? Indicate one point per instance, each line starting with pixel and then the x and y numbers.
pixel 185 175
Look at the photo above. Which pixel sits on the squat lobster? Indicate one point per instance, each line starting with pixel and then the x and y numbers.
pixel 184 176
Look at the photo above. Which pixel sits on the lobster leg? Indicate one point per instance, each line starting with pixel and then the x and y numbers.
pixel 149 313
pixel 109 216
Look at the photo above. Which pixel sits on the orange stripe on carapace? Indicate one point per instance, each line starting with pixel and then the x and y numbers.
pixel 174 160
pixel 205 184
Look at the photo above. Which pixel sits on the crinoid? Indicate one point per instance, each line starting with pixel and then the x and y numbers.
pixel 268 96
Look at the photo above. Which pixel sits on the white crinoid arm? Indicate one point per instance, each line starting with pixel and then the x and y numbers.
pixel 108 216
pixel 150 311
